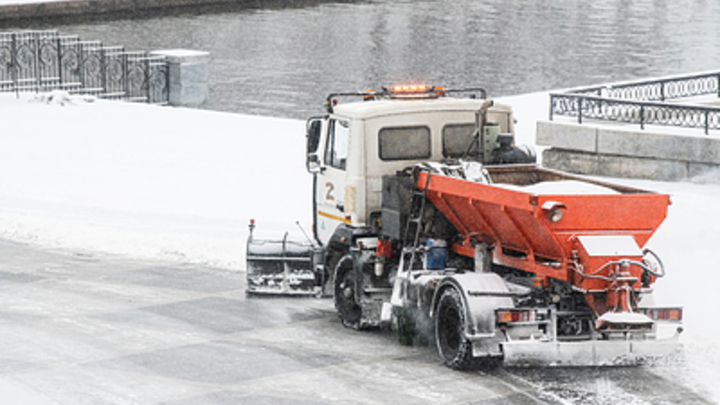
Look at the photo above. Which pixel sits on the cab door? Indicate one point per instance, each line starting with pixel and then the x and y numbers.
pixel 330 181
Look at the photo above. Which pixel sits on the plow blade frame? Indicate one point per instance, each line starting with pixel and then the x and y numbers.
pixel 282 267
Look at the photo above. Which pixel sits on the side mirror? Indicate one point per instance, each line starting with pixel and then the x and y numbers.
pixel 313 163
pixel 314 128
pixel 313 133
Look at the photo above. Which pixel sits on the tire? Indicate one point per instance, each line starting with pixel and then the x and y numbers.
pixel 450 324
pixel 328 288
pixel 452 345
pixel 348 309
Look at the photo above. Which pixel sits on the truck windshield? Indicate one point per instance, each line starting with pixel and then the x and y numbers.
pixel 404 143
pixel 336 149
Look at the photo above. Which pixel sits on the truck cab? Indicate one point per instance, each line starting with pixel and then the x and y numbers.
pixel 357 143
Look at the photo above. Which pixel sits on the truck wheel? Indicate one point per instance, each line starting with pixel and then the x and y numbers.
pixel 450 324
pixel 333 257
pixel 348 309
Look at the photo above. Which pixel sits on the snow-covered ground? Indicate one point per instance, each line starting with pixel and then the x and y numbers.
pixel 182 184
pixel 147 181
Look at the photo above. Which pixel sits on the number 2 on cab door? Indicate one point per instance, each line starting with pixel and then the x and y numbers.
pixel 330 188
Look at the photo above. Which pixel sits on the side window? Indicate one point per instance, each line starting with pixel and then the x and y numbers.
pixel 336 149
pixel 404 143
pixel 456 139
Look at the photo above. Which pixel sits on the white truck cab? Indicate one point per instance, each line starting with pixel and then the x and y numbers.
pixel 350 149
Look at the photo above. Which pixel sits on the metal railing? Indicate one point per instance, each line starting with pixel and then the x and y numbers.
pixel 644 103
pixel 35 61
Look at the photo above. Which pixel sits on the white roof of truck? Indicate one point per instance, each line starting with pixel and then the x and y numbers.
pixel 387 107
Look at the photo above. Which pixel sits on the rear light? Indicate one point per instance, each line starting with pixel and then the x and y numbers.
pixel 515 315
pixel 664 314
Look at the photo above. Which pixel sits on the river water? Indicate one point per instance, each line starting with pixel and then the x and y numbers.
pixel 282 60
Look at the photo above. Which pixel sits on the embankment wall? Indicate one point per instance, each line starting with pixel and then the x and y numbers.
pixel 615 152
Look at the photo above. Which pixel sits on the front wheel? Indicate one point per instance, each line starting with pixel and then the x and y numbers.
pixel 345 297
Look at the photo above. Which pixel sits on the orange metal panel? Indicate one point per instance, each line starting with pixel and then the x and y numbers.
pixel 476 191
pixel 637 214
pixel 516 220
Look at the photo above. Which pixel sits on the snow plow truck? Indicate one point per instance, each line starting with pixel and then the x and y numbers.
pixel 430 220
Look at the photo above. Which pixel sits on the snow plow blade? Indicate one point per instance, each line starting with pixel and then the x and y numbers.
pixel 591 353
pixel 281 267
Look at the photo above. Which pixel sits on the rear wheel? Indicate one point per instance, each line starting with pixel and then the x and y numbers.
pixel 348 309
pixel 450 323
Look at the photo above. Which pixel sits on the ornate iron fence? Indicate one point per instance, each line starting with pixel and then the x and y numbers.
pixel 634 112
pixel 43 60
pixel 644 102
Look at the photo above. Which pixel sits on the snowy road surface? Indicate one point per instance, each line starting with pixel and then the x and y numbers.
pixel 178 185
pixel 96 329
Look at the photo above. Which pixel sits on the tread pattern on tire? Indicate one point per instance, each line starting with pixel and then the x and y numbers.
pixel 453 347
pixel 350 316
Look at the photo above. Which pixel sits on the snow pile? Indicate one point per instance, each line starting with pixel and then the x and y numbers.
pixel 147 181
pixel 562 187
pixel 62 98
pixel 466 170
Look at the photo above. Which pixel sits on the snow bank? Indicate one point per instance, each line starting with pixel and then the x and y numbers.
pixel 145 180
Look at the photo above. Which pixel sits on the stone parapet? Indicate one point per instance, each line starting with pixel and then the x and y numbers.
pixel 187 76
pixel 607 151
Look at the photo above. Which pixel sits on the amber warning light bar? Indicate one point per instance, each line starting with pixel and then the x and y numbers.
pixel 413 92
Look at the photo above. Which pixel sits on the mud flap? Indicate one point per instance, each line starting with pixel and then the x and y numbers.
pixel 487 347
pixel 590 353
pixel 283 267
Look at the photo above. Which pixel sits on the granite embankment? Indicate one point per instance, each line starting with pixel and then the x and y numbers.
pixel 34 10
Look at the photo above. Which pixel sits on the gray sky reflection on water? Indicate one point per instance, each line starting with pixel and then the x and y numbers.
pixel 281 61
